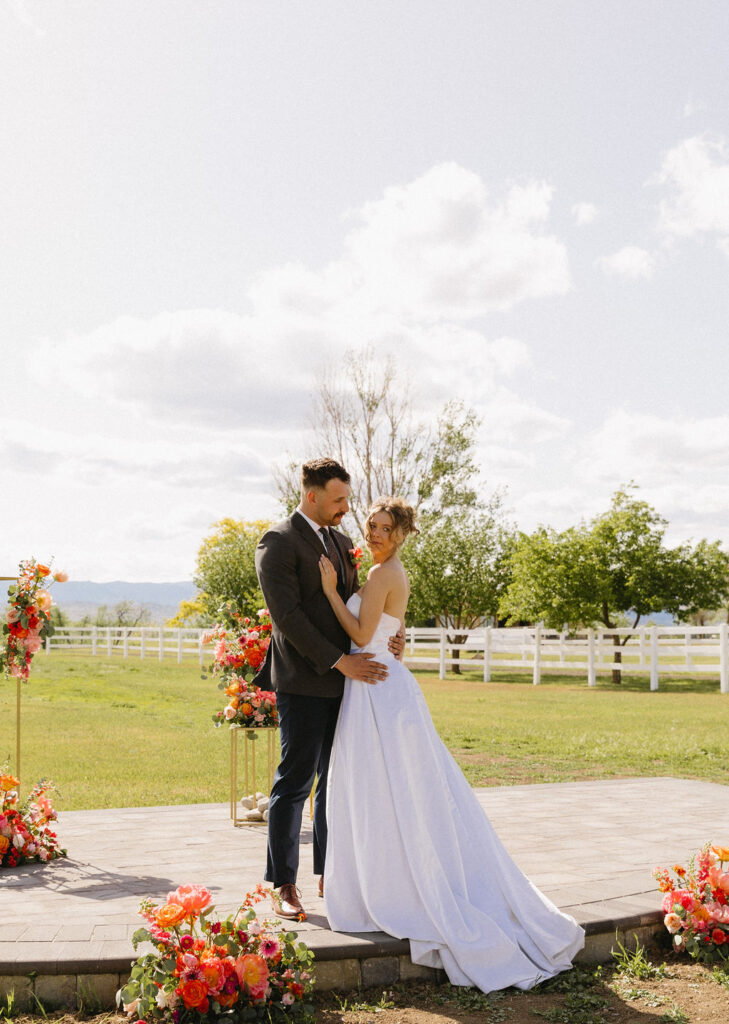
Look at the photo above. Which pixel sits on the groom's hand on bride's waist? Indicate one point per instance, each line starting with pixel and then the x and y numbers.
pixel 362 667
pixel 396 644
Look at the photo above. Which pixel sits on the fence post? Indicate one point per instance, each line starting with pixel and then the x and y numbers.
pixel 536 672
pixel 108 640
pixel 161 644
pixel 687 637
pixel 201 650
pixel 141 641
pixel 487 655
pixel 654 657
pixel 93 640
pixel 125 648
pixel 412 640
pixel 641 660
pixel 48 645
pixel 724 657
pixel 442 666
pixel 179 646
pixel 591 675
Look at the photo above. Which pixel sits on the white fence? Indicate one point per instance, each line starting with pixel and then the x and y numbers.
pixel 650 650
pixel 130 642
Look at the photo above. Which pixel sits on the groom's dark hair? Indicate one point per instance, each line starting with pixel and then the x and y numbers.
pixel 316 474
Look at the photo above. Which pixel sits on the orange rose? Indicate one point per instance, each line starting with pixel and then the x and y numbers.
pixel 192 898
pixel 247 708
pixel 60 576
pixel 194 993
pixel 225 999
pixel 4 844
pixel 722 852
pixel 169 914
pixel 42 570
pixel 8 782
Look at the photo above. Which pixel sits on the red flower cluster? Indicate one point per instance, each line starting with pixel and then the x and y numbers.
pixel 240 650
pixel 27 619
pixel 696 904
pixel 237 968
pixel 25 833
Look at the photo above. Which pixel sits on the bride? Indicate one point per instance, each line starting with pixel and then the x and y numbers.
pixel 410 850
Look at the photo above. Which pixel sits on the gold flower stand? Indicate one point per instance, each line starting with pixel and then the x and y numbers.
pixel 250 740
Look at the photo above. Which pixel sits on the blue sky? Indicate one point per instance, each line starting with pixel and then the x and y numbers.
pixel 204 205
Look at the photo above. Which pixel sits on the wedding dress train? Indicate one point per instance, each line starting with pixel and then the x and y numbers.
pixel 411 852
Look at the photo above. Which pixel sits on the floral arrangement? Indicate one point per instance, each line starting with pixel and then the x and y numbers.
pixel 28 620
pixel 355 557
pixel 25 833
pixel 240 650
pixel 205 970
pixel 696 904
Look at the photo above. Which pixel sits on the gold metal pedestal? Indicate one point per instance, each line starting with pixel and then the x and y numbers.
pixel 255 741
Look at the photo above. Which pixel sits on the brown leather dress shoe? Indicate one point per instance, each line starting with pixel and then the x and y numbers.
pixel 321 886
pixel 288 903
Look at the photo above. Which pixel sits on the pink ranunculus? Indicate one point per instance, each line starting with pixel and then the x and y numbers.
pixel 14 613
pixel 33 644
pixel 193 898
pixel 44 600
pixel 229 712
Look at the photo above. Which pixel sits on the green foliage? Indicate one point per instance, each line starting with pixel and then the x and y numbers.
pixel 616 563
pixel 634 963
pixel 458 566
pixel 226 569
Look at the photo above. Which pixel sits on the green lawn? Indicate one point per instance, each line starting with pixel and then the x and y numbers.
pixel 125 733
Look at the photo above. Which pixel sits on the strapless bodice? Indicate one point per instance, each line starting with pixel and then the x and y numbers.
pixel 386 627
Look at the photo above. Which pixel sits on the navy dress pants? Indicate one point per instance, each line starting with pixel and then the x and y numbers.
pixel 307 727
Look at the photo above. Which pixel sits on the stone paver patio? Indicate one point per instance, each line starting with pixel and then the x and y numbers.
pixel 590 846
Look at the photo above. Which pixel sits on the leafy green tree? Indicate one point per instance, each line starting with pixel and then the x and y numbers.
pixel 226 571
pixel 459 567
pixel 614 565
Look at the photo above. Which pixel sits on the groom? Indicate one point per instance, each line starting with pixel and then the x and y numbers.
pixel 306 664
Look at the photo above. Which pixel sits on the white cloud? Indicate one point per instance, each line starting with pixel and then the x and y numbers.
pixel 696 173
pixel 584 213
pixel 630 261
pixel 438 247
pixel 649 447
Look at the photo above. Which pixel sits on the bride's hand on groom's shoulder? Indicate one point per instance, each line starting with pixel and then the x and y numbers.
pixel 396 644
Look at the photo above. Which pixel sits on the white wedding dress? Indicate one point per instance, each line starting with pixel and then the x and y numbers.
pixel 411 852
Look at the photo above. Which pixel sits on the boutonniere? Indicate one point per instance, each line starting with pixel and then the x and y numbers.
pixel 355 557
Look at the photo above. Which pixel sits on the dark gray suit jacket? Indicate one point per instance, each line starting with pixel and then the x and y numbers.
pixel 306 637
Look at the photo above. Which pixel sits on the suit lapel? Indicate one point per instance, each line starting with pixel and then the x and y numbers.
pixel 301 525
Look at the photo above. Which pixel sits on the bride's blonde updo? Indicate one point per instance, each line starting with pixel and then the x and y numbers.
pixel 402 515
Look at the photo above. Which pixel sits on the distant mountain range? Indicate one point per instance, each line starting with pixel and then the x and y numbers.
pixel 82 597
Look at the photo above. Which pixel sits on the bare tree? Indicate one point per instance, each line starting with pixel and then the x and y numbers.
pixel 363 417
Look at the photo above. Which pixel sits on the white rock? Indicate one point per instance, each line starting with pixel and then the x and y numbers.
pixel 265 815
pixel 248 802
pixel 253 816
pixel 260 796
pixel 263 803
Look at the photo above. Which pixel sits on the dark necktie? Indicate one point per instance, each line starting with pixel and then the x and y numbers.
pixel 332 551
